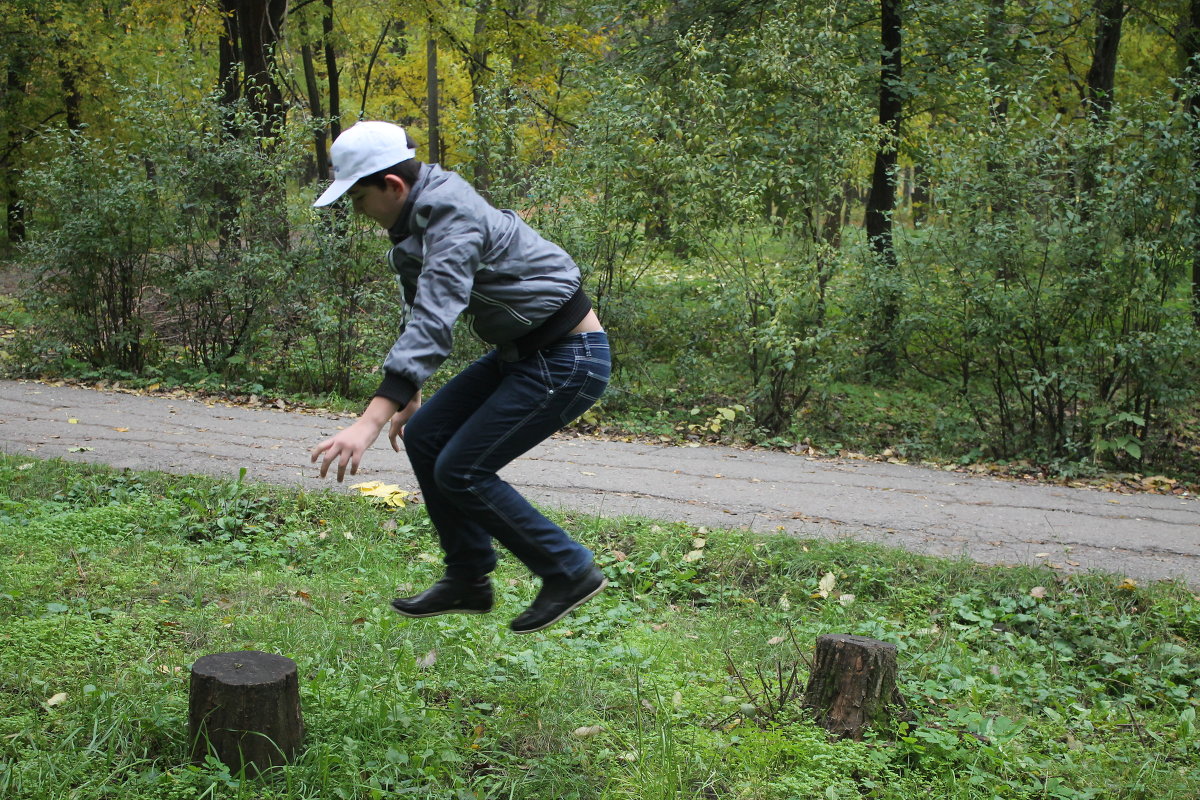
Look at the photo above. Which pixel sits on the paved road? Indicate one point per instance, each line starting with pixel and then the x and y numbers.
pixel 924 510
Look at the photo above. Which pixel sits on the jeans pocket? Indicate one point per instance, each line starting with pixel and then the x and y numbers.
pixel 590 389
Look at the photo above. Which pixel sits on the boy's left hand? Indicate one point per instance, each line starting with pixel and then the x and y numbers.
pixel 400 419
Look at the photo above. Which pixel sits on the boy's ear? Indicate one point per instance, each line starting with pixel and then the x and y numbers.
pixel 395 183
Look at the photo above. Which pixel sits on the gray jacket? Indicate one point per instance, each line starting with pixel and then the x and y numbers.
pixel 454 253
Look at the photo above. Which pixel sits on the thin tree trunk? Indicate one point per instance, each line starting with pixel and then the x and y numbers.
pixel 229 81
pixel 997 105
pixel 72 100
pixel 1191 52
pixel 431 75
pixel 882 355
pixel 331 71
pixel 1101 77
pixel 362 108
pixel 11 172
pixel 320 135
pixel 477 69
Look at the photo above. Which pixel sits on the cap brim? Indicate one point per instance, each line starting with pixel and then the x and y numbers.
pixel 335 190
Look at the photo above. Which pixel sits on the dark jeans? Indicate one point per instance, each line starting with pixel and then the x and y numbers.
pixel 489 414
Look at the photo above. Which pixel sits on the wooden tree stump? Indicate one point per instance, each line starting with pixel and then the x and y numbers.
pixel 853 684
pixel 244 708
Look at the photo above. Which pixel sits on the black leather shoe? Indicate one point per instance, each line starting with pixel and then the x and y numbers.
pixel 557 598
pixel 448 596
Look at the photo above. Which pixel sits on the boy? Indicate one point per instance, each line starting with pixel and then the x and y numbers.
pixel 454 253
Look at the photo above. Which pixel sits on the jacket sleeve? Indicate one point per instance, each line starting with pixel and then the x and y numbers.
pixel 453 242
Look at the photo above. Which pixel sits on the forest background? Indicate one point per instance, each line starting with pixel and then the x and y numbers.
pixel 928 230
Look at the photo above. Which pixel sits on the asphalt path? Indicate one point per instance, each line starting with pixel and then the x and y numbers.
pixel 929 511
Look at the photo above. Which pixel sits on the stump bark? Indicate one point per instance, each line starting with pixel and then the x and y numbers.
pixel 244 708
pixel 853 684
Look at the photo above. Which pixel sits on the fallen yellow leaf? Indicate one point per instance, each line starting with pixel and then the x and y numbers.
pixel 57 699
pixel 388 494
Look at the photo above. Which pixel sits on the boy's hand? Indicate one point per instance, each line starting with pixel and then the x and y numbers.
pixel 347 447
pixel 400 419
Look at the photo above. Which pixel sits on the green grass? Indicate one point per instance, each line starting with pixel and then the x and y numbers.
pixel 114 583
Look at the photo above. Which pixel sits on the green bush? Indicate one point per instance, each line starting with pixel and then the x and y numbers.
pixel 1058 313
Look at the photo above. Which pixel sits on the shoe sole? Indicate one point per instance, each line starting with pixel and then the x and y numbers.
pixel 440 613
pixel 577 604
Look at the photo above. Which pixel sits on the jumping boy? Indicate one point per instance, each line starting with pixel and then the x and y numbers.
pixel 455 254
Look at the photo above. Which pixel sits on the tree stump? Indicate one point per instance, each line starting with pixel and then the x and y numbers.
pixel 853 684
pixel 244 708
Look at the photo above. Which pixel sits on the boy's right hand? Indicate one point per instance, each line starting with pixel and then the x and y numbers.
pixel 346 448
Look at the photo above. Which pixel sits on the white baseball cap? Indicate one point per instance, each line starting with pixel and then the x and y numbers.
pixel 364 149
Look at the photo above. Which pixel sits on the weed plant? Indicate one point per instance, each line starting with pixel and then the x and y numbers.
pixel 683 680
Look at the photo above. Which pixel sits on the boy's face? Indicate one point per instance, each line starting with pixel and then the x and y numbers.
pixel 382 205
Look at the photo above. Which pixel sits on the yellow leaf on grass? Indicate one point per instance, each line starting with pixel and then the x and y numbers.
pixel 695 555
pixel 57 699
pixel 828 581
pixel 388 494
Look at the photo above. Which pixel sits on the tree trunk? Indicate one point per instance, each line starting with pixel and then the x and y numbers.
pixel 362 108
pixel 1191 54
pixel 331 71
pixel 431 76
pixel 72 99
pixel 320 135
pixel 477 69
pixel 260 24
pixel 12 103
pixel 1101 77
pixel 230 84
pixel 853 685
pixel 997 110
pixel 882 354
pixel 244 708
pixel 1101 74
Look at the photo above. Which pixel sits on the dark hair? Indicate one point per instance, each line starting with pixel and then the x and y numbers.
pixel 408 171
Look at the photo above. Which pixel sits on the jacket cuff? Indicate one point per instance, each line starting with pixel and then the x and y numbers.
pixel 396 388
